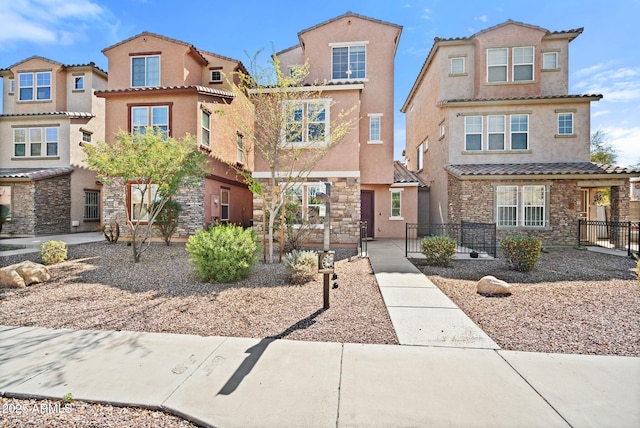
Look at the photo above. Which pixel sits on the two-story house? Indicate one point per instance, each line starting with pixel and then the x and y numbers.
pixel 493 130
pixel 48 109
pixel 171 85
pixel 351 65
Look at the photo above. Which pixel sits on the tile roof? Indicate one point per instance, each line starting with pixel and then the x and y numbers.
pixel 506 99
pixel 349 14
pixel 34 174
pixel 402 175
pixel 69 114
pixel 195 88
pixel 544 169
pixel 90 64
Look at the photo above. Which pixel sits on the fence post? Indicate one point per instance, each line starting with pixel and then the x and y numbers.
pixel 629 239
pixel 406 240
pixel 579 230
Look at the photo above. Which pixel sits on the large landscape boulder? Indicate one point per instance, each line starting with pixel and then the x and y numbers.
pixel 491 286
pixel 22 274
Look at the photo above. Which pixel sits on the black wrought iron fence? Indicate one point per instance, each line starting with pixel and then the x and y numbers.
pixel 616 235
pixel 469 236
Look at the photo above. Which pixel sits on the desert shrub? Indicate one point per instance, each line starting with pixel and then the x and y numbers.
pixel 111 232
pixel 167 219
pixel 302 266
pixel 521 252
pixel 53 252
pixel 223 253
pixel 438 250
pixel 637 269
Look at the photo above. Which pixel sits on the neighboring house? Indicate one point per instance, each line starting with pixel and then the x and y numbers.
pixel 169 84
pixel 493 130
pixel 48 109
pixel 351 62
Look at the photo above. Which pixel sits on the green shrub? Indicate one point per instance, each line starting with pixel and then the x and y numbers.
pixel 438 250
pixel 302 266
pixel 223 253
pixel 521 252
pixel 167 219
pixel 53 252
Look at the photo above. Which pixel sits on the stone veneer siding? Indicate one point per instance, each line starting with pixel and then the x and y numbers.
pixel 345 210
pixel 474 200
pixel 190 221
pixel 620 202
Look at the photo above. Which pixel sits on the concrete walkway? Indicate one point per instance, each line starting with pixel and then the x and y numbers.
pixel 243 382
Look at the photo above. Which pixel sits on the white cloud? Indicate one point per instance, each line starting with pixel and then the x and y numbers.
pixel 426 14
pixel 482 18
pixel 615 84
pixel 626 141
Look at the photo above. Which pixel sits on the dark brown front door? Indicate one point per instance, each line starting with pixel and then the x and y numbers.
pixel 367 211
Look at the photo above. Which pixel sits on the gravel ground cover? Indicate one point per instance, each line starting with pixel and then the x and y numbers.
pixel 575 301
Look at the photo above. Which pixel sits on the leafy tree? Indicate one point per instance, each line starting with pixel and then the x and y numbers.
pixel 157 165
pixel 275 96
pixel 602 151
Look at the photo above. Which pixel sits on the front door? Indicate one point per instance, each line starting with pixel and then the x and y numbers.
pixel 367 210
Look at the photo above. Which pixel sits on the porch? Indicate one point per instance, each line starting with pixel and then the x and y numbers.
pixel 613 235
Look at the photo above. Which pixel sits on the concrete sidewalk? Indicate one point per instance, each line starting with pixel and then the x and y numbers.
pixel 32 244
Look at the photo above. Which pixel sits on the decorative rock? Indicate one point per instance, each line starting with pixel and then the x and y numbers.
pixel 490 285
pixel 22 274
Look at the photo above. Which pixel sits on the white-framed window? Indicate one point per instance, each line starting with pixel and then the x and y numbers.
pixel 497 64
pixel 523 63
pixel 443 129
pixel 91 205
pixel 239 147
pixel 635 190
pixel 521 206
pixel 224 204
pixel 216 76
pixel 349 62
pixel 145 70
pixel 375 131
pixel 496 132
pixel 5 202
pixel 206 128
pixel 34 86
pixel 550 61
pixel 457 65
pixel 419 157
pixel 303 203
pixel 144 116
pixel 78 82
pixel 12 86
pixel 396 204
pixel 141 197
pixel 35 142
pixel 307 122
pixel 519 132
pixel 86 136
pixel 473 133
pixel 565 123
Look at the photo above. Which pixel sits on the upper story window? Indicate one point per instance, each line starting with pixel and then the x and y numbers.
pixel 443 129
pixel 519 132
pixel 522 59
pixel 12 86
pixel 496 130
pixel 35 142
pixel 239 147
pixel 86 136
pixel 496 134
pixel 523 64
pixel 145 70
pixel 216 76
pixel 420 157
pixel 34 86
pixel 375 134
pixel 473 133
pixel 78 82
pixel 497 62
pixel 155 116
pixel 565 123
pixel 348 62
pixel 550 61
pixel 206 128
pixel 457 65
pixel 307 122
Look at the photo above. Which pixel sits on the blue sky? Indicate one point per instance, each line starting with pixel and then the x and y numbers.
pixel 605 59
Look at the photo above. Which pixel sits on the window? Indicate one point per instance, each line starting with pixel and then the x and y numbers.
pixel 216 76
pixel 303 203
pixel 519 132
pixel 224 204
pixel 206 128
pixel 155 116
pixel 523 64
pixel 35 142
pixel 348 62
pixel 374 128
pixel 521 206
pixel 86 137
pixel 496 130
pixel 78 82
pixel 34 86
pixel 635 190
pixel 420 158
pixel 5 202
pixel 443 130
pixel 396 204
pixel 145 70
pixel 91 205
pixel 550 61
pixel 473 133
pixel 141 196
pixel 457 65
pixel 307 122
pixel 497 65
pixel 565 124
pixel 12 86
pixel 240 147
